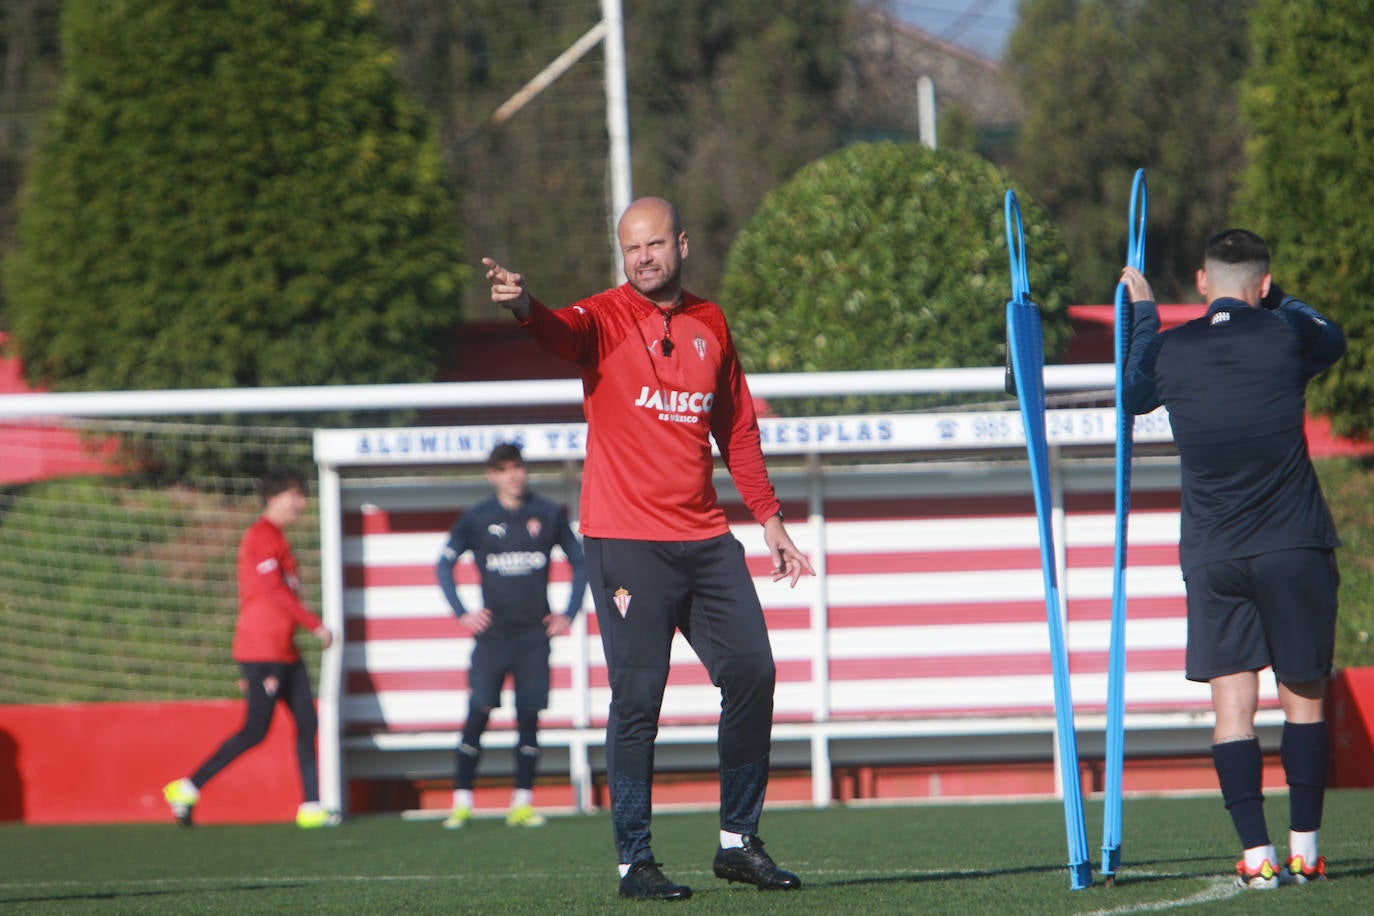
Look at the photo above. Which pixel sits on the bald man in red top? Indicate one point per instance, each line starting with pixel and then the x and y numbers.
pixel 661 380
pixel 270 610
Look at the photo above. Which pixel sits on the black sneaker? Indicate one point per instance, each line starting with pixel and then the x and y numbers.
pixel 750 864
pixel 645 882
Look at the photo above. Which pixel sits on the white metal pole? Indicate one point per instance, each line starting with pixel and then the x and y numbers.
pixel 331 763
pixel 822 777
pixel 925 110
pixel 617 123
pixel 546 77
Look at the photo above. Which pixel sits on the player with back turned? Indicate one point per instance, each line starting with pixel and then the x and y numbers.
pixel 1257 544
pixel 661 379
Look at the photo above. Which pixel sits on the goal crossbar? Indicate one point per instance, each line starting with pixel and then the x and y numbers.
pixel 191 401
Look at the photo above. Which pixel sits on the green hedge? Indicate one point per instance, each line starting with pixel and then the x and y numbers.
pixel 231 194
pixel 888 256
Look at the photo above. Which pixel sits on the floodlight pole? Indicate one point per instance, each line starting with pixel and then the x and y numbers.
pixel 617 122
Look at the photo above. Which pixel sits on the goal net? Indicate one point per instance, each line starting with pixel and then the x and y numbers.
pixel 118 543
pixel 118 537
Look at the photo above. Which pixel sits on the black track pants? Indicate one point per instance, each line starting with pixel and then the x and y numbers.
pixel 644 591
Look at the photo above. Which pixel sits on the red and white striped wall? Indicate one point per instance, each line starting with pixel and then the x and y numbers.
pixel 928 603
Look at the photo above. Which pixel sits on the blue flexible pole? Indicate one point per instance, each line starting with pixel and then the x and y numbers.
pixel 1026 350
pixel 1116 665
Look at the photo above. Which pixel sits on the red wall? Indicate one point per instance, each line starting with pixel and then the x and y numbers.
pixel 33 451
pixel 107 763
pixel 1350 716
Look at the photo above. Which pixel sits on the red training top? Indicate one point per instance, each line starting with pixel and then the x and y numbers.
pixel 648 470
pixel 270 607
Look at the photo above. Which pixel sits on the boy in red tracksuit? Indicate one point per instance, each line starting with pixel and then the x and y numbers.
pixel 270 610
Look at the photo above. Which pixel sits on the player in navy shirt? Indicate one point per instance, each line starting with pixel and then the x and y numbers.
pixel 1257 544
pixel 510 535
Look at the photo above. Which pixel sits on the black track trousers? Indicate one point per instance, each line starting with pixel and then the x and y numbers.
pixel 643 591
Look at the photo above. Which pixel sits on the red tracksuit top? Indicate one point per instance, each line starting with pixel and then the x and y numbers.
pixel 270 607
pixel 648 470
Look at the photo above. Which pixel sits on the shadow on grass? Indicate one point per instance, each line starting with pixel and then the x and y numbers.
pixel 1124 876
pixel 1147 872
pixel 924 877
pixel 137 894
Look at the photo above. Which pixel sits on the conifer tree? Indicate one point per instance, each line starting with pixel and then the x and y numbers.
pixel 1111 86
pixel 1308 101
pixel 232 193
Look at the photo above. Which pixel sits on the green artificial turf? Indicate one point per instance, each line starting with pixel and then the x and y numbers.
pixel 1178 855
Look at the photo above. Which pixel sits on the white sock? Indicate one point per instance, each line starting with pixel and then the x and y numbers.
pixel 189 788
pixel 462 798
pixel 522 797
pixel 624 869
pixel 310 806
pixel 730 840
pixel 1255 856
pixel 1303 843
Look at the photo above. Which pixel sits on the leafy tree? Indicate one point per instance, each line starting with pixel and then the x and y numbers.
pixel 728 99
pixel 231 194
pixel 1106 94
pixel 956 129
pixel 533 189
pixel 1185 95
pixel 888 256
pixel 28 46
pixel 1308 100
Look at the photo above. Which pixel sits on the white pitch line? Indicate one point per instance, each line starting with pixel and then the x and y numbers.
pixel 262 879
pixel 1220 889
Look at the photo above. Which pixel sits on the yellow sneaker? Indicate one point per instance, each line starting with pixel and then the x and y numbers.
pixel 524 816
pixel 1296 871
pixel 1264 878
pixel 458 818
pixel 181 797
pixel 312 815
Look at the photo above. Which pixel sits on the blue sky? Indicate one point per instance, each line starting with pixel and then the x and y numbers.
pixel 979 25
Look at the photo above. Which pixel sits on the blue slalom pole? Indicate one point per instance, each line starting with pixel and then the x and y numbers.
pixel 1026 351
pixel 1116 664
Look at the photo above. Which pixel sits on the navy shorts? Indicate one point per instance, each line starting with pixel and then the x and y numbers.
pixel 1276 609
pixel 524 656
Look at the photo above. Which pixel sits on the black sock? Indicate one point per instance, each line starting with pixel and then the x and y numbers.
pixel 469 749
pixel 527 747
pixel 1240 770
pixel 1306 754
